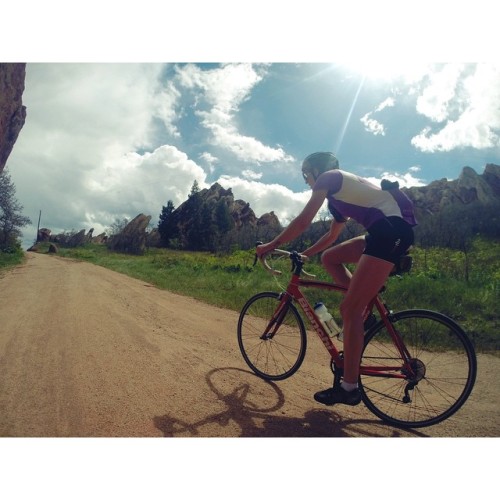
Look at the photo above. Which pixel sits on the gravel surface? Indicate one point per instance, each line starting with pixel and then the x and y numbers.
pixel 85 351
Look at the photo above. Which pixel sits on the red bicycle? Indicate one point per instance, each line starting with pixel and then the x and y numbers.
pixel 418 367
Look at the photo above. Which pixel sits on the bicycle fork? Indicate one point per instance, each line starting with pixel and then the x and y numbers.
pixel 277 319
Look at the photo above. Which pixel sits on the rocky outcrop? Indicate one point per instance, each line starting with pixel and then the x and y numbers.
pixel 12 111
pixel 100 238
pixel 270 220
pixel 79 239
pixel 72 239
pixel 132 239
pixel 267 227
pixel 44 234
pixel 468 188
pixel 241 213
pixel 211 219
pixel 491 176
pixel 153 238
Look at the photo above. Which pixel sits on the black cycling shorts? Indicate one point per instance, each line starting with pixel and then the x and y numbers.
pixel 389 238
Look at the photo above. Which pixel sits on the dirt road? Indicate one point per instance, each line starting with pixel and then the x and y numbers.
pixel 85 351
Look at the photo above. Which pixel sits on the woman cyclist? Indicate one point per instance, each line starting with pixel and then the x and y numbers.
pixel 388 217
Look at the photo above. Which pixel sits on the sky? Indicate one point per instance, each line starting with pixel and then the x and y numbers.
pixel 125 110
pixel 107 141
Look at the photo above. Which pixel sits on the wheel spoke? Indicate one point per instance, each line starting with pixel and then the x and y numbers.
pixel 277 356
pixel 442 370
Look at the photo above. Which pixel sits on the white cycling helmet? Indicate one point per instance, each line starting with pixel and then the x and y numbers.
pixel 320 162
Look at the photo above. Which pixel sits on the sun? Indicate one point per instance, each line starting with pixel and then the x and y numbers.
pixel 389 70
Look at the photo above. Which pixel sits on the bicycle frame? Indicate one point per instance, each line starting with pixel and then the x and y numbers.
pixel 409 390
pixel 294 293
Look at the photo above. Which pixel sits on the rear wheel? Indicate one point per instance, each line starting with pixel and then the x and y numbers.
pixel 271 336
pixel 438 379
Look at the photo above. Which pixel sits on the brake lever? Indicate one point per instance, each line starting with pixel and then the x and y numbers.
pixel 257 243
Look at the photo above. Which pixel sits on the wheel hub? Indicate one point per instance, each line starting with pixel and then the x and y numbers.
pixel 416 372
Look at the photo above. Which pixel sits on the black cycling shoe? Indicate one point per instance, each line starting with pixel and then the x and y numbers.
pixel 338 394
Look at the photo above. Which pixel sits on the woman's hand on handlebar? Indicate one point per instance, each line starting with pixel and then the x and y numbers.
pixel 263 250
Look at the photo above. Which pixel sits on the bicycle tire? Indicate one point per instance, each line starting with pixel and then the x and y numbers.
pixel 277 357
pixel 444 369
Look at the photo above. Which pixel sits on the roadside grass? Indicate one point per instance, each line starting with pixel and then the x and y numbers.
pixel 11 259
pixel 228 281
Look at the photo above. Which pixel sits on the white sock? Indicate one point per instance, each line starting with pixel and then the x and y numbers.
pixel 348 387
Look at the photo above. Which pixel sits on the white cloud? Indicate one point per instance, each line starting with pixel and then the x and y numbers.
pixel 250 174
pixel 264 198
pixel 245 148
pixel 467 112
pixel 440 93
pixel 209 158
pixel 373 126
pixel 143 182
pixel 84 156
pixel 224 89
pixel 405 179
pixel 167 103
pixel 387 103
pixel 75 112
pixel 461 102
pixel 75 158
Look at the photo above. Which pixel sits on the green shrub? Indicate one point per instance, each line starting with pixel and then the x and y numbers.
pixel 11 256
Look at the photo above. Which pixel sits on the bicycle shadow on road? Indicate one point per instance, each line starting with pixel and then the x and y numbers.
pixel 251 407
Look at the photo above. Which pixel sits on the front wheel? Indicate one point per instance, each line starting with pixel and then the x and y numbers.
pixel 436 381
pixel 271 336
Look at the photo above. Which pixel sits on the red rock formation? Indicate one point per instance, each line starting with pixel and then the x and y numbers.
pixel 12 111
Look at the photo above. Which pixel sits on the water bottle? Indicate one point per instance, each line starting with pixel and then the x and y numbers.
pixel 326 319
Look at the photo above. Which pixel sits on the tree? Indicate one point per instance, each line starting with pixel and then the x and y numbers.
pixel 195 189
pixel 223 224
pixel 197 234
pixel 11 218
pixel 223 219
pixel 118 226
pixel 167 225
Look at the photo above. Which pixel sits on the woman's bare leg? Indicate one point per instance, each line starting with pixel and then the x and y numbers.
pixel 348 252
pixel 370 275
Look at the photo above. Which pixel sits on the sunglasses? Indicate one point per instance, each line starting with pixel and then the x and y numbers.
pixel 306 175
